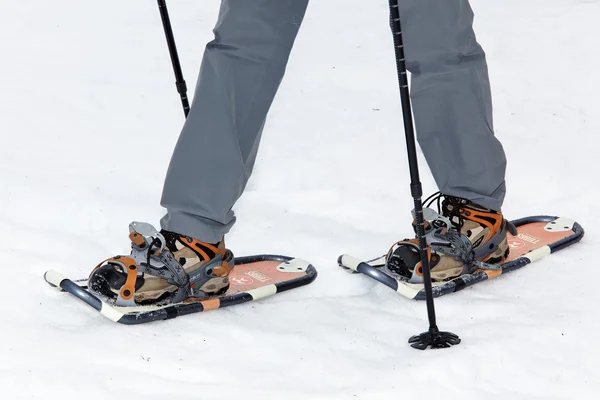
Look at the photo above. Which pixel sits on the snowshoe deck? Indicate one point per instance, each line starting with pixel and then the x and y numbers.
pixel 253 278
pixel 538 236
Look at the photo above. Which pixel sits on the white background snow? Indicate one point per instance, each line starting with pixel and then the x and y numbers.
pixel 89 117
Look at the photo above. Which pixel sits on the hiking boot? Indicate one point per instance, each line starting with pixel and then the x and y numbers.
pixel 462 237
pixel 163 267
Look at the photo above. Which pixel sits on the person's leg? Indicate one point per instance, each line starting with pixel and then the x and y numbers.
pixel 451 98
pixel 241 71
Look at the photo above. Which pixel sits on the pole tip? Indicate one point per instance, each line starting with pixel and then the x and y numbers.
pixel 435 340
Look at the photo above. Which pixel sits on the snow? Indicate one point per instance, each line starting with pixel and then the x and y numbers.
pixel 89 117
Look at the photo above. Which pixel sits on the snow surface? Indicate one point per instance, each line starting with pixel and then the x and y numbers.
pixel 89 117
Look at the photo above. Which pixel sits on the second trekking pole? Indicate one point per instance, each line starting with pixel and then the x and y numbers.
pixel 433 337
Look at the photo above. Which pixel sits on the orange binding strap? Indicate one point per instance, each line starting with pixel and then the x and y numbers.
pixel 128 289
pixel 485 219
pixel 137 238
pixel 419 266
pixel 197 246
pixel 130 267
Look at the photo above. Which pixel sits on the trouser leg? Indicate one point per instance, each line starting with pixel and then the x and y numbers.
pixel 240 73
pixel 452 105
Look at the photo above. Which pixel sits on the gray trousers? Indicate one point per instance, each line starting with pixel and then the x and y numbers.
pixel 242 69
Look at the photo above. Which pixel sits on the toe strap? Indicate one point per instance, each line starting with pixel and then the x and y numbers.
pixel 130 268
pixel 128 264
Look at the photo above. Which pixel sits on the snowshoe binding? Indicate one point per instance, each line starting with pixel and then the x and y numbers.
pixel 462 237
pixel 163 268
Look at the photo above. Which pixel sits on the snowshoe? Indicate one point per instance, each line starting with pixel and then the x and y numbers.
pixel 467 244
pixel 169 275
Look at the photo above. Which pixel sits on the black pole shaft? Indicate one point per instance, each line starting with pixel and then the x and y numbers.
pixel 415 185
pixel 179 81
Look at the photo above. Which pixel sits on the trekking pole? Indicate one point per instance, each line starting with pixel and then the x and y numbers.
pixel 179 81
pixel 433 337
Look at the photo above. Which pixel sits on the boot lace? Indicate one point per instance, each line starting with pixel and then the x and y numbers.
pixel 448 206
